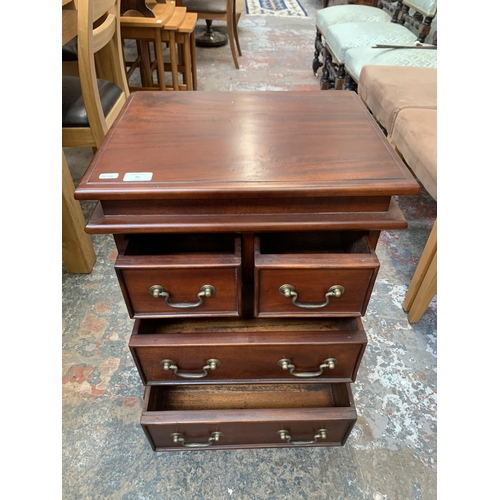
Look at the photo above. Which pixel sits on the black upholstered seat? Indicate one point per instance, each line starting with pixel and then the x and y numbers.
pixel 215 6
pixel 70 50
pixel 73 108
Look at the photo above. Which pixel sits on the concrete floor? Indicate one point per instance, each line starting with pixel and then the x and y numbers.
pixel 391 453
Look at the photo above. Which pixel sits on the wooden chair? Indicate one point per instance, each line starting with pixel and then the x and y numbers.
pixel 90 105
pixel 407 29
pixel 218 10
pixel 386 11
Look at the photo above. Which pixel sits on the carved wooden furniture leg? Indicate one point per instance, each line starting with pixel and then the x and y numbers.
pixel 318 46
pixel 349 83
pixel 325 77
pixel 339 76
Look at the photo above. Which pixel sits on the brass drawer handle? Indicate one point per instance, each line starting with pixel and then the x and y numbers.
pixel 179 438
pixel 205 291
pixel 285 436
pixel 286 364
pixel 211 364
pixel 333 291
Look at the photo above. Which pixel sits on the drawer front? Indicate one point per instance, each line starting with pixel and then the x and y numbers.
pixel 309 285
pixel 253 416
pixel 181 285
pixel 238 351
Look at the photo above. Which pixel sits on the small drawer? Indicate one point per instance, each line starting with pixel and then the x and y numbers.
pixel 224 351
pixel 177 275
pixel 207 417
pixel 313 274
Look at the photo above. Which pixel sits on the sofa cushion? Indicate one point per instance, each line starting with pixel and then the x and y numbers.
pixel 357 58
pixel 342 37
pixel 339 14
pixel 386 90
pixel 415 137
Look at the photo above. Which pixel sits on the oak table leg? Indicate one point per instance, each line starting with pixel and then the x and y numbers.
pixel 78 254
pixel 423 285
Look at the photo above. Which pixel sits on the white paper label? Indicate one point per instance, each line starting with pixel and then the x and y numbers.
pixel 138 176
pixel 108 176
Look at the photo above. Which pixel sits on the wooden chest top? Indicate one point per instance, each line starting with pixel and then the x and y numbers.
pixel 178 145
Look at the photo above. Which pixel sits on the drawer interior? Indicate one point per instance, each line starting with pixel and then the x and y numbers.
pixel 172 244
pixel 247 397
pixel 316 242
pixel 230 325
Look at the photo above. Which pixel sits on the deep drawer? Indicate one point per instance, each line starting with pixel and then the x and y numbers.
pixel 313 274
pixel 163 275
pixel 198 417
pixel 230 351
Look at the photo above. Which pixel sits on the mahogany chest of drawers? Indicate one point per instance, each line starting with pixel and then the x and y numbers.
pixel 246 225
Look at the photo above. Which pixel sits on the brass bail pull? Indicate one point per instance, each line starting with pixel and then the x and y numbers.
pixel 205 291
pixel 211 364
pixel 289 291
pixel 286 364
pixel 179 438
pixel 285 436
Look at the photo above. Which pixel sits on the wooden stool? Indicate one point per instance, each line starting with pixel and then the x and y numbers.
pixel 134 26
pixel 182 50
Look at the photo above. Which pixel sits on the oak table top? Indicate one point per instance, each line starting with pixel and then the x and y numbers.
pixel 316 153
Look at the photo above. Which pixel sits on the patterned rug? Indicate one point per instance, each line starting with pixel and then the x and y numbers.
pixel 280 8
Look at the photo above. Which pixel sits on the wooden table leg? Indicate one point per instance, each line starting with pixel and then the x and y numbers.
pixel 173 60
pixel 186 51
pixel 160 67
pixel 145 63
pixel 423 285
pixel 192 46
pixel 78 254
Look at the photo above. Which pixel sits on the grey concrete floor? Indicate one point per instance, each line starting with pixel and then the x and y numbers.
pixel 392 451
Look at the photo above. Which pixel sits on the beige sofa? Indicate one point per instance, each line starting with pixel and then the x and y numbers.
pixel 403 100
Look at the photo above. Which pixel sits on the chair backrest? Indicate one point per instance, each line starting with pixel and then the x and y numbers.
pixel 392 7
pixel 99 31
pixel 424 13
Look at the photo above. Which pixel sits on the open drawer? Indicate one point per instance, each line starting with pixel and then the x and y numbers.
pixel 199 417
pixel 170 351
pixel 180 275
pixel 313 274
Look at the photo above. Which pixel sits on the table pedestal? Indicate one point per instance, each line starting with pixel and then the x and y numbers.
pixel 209 37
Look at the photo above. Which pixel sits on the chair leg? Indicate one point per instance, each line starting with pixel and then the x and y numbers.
pixel 318 46
pixel 236 18
pixel 145 63
pixel 423 285
pixel 230 33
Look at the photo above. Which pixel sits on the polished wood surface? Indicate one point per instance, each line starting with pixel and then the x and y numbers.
pixel 305 192
pixel 248 350
pixel 312 265
pixel 181 268
pixel 249 416
pixel 272 144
